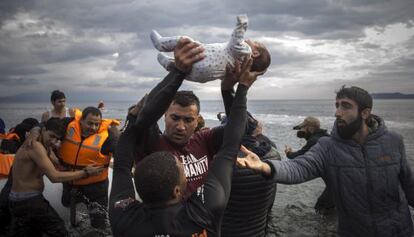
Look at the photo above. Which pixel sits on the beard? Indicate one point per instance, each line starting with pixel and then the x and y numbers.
pixel 348 130
pixel 303 134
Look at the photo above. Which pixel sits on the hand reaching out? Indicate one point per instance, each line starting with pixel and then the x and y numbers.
pixel 247 77
pixel 252 161
pixel 288 149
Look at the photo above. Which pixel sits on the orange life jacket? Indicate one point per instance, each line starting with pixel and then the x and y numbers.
pixel 9 136
pixel 79 153
pixel 6 161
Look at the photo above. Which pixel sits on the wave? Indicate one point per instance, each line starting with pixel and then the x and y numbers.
pixel 279 119
pixel 289 120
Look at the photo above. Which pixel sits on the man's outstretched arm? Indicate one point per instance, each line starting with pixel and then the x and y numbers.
pixel 301 169
pixel 159 99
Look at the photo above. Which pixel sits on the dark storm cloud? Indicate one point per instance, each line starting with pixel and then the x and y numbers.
pixel 7 81
pixel 61 32
pixel 13 70
pixel 323 18
pixel 141 84
pixel 8 8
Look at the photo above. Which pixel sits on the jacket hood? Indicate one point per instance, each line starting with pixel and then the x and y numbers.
pixel 375 133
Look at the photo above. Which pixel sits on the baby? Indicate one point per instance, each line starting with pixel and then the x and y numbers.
pixel 218 55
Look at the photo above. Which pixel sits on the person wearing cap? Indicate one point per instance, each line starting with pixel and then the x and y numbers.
pixel 311 131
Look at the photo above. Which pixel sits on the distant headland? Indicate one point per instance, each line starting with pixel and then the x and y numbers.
pixel 396 95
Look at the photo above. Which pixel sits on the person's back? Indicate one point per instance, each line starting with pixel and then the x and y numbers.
pixel 180 220
pixel 252 195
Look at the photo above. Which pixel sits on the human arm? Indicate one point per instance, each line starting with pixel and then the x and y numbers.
pixel 303 168
pixel 110 143
pixel 122 191
pixel 39 155
pixel 122 186
pixel 186 53
pixel 406 176
pixel 227 90
pixel 53 158
pixel 227 86
pixel 292 154
pixel 228 93
pixel 218 183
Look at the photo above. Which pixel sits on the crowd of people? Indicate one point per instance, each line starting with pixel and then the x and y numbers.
pixel 193 181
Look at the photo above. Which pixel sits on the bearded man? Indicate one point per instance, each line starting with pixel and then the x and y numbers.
pixel 362 163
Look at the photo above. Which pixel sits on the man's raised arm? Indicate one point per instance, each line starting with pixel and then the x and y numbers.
pixel 186 54
pixel 218 183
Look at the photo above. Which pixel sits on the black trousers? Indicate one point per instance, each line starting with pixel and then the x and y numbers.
pixel 95 196
pixel 35 214
pixel 5 216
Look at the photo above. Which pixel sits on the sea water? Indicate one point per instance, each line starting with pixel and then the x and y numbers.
pixel 292 213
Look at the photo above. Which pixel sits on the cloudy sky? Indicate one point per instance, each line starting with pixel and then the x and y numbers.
pixel 101 48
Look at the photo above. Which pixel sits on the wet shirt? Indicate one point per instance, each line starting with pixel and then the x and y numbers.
pixel 196 155
pixel 187 219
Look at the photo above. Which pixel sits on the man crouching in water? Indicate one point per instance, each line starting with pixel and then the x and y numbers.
pixel 30 210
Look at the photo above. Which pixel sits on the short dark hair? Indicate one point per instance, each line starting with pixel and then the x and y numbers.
pixel 31 122
pixel 156 176
pixel 57 95
pixel 186 98
pixel 91 110
pixel 25 126
pixel 359 95
pixel 57 126
pixel 262 62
